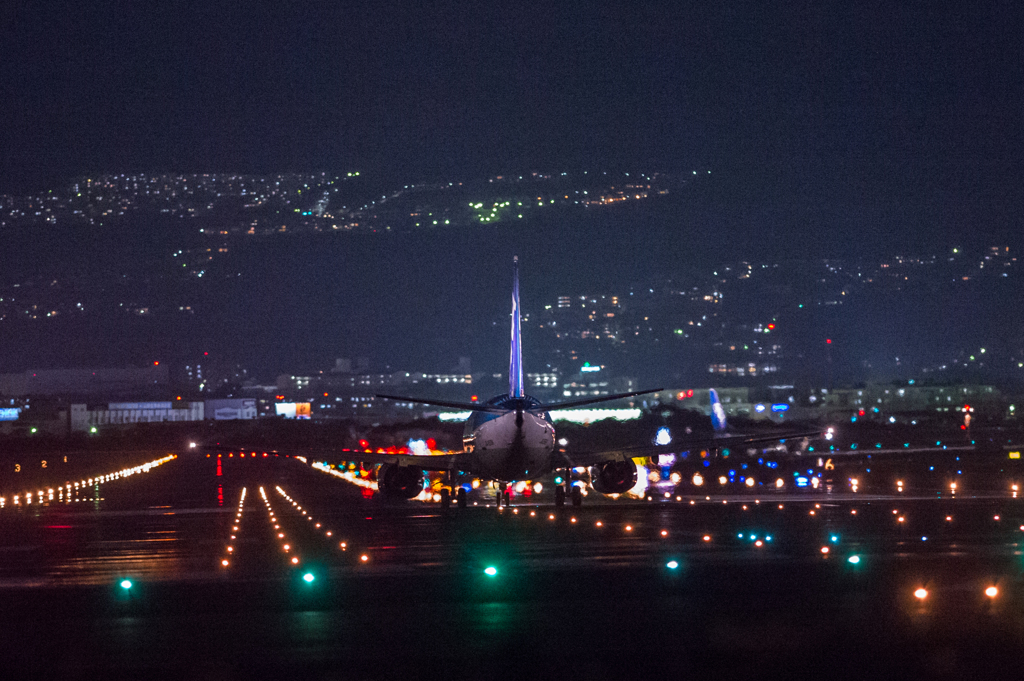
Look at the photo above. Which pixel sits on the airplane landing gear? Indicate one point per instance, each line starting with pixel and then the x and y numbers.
pixel 460 497
pixel 502 494
pixel 577 496
pixel 446 498
pixel 559 496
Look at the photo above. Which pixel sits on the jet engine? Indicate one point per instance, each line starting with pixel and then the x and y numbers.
pixel 614 477
pixel 399 482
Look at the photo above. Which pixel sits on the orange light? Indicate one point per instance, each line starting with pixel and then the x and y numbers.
pixel 629 528
pixel 224 563
pixel 921 594
pixel 707 537
pixel 991 592
pixel 824 549
pixel 364 558
pixel 295 561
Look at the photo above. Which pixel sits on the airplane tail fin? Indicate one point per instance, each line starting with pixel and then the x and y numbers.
pixel 717 412
pixel 515 363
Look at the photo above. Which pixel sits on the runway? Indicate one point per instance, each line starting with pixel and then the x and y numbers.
pixel 175 572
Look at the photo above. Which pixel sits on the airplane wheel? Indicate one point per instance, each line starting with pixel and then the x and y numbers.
pixel 446 499
pixel 508 499
pixel 460 498
pixel 577 496
pixel 559 496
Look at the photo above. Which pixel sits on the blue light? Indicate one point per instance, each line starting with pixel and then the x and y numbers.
pixel 931 468
pixel 853 419
pixel 768 538
pixel 672 565
pixel 663 437
pixel 308 577
pixel 924 538
pixel 801 481
pixel 780 407
pixel 759 408
pixel 853 559
pixel 834 538
pixel 740 535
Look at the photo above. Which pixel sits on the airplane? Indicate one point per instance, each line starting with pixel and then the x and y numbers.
pixel 511 437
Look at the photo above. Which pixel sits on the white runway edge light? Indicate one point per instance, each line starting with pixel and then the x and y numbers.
pixel 65 492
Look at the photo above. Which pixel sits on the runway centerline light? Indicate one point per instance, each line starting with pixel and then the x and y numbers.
pixel 308 577
pixel 672 564
pixel 126 584
pixel 853 559
pixel 491 571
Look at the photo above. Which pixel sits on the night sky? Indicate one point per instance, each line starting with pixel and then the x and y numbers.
pixel 910 113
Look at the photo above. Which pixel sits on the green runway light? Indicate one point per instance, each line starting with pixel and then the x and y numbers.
pixel 491 571
pixel 308 577
pixel 853 559
pixel 672 564
pixel 126 584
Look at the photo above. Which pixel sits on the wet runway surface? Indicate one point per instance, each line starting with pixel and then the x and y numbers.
pixel 207 568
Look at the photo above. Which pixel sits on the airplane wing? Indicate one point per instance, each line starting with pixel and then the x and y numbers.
pixel 462 406
pixel 643 451
pixel 593 400
pixel 429 462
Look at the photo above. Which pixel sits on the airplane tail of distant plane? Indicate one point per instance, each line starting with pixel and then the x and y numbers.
pixel 717 413
pixel 515 362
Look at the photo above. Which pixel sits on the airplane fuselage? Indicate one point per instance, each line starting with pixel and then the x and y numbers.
pixel 510 446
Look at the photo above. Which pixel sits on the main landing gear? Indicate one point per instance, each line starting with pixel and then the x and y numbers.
pixel 570 490
pixel 446 498
pixel 460 497
pixel 504 497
